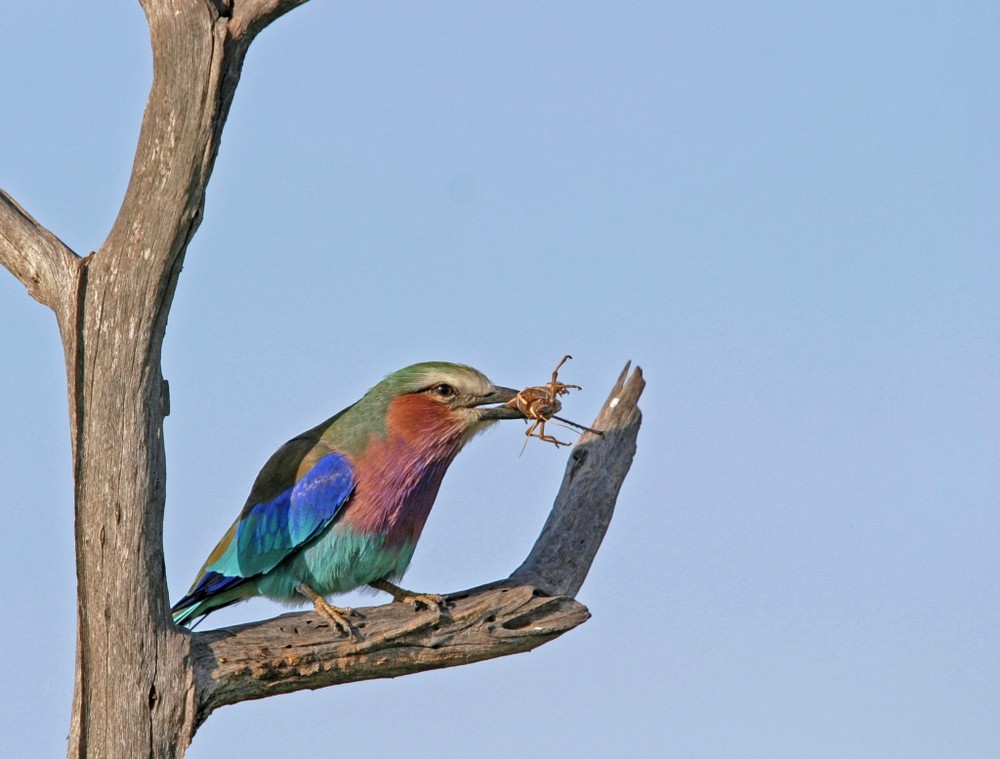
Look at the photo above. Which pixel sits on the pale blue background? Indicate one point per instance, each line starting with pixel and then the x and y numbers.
pixel 788 213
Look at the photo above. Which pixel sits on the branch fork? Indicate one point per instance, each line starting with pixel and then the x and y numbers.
pixel 112 308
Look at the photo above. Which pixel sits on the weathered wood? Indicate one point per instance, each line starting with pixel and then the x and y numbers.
pixel 249 17
pixel 130 660
pixel 142 685
pixel 41 261
pixel 562 555
pixel 133 677
pixel 298 651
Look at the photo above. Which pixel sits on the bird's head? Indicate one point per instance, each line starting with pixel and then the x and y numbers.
pixel 464 393
pixel 434 399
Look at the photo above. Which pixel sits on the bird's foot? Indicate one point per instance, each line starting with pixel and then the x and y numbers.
pixel 339 616
pixel 336 614
pixel 417 600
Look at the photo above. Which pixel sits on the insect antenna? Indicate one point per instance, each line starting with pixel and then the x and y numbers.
pixel 567 422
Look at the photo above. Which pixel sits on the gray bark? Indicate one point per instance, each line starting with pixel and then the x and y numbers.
pixel 143 686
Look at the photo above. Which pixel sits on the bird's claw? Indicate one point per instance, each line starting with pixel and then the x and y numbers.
pixel 424 600
pixel 336 614
pixel 431 601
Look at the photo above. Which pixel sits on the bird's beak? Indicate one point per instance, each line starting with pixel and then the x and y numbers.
pixel 498 395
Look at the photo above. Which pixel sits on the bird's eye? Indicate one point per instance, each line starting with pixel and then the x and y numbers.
pixel 443 390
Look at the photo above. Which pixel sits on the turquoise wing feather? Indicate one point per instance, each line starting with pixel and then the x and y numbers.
pixel 269 532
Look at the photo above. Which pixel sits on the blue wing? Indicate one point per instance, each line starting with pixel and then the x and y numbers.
pixel 267 533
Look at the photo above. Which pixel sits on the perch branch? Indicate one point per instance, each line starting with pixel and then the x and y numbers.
pixel 299 651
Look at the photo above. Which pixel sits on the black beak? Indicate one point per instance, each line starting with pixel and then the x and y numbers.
pixel 498 395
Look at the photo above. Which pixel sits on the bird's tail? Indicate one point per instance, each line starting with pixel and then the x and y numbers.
pixel 213 591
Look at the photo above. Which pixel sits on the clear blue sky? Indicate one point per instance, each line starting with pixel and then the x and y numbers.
pixel 787 213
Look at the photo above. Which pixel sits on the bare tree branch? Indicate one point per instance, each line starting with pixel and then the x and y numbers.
pixel 127 644
pixel 41 261
pixel 143 685
pixel 251 16
pixel 300 651
pixel 563 553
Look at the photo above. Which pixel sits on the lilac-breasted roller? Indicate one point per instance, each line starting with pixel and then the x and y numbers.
pixel 343 504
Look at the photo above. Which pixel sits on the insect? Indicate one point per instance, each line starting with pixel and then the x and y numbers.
pixel 539 404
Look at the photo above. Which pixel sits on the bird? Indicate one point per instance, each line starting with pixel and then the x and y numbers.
pixel 342 505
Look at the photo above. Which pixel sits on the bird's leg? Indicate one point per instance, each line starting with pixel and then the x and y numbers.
pixel 335 614
pixel 416 600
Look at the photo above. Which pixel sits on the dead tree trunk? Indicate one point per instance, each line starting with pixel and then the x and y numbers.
pixel 142 685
